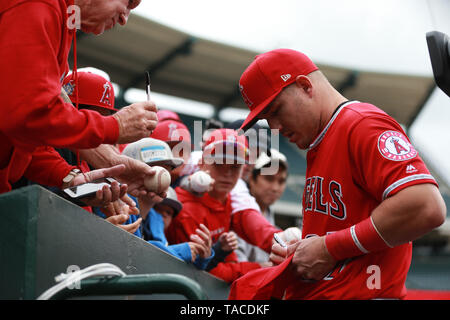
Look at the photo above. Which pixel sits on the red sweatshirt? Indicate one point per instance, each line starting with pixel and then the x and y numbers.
pixel 35 44
pixel 218 219
pixel 46 157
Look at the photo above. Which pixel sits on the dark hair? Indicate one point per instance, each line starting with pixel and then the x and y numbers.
pixel 213 124
pixel 262 141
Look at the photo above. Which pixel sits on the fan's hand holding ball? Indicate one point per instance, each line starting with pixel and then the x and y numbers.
pixel 159 182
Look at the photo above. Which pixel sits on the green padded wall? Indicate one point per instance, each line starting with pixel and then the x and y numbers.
pixel 41 234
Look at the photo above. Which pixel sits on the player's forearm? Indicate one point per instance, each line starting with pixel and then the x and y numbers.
pixel 409 214
pixel 404 217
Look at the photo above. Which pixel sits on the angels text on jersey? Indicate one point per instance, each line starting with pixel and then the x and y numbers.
pixel 314 198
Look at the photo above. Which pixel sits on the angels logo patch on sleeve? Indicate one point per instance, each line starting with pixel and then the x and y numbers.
pixel 394 146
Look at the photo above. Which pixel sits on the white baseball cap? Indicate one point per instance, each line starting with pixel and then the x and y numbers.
pixel 172 201
pixel 275 156
pixel 153 152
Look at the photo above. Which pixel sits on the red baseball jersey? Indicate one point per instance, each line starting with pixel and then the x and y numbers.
pixel 362 157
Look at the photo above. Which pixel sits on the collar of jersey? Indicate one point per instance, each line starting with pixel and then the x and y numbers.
pixel 324 131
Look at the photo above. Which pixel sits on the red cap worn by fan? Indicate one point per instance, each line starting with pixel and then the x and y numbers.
pixel 171 131
pixel 226 145
pixel 164 115
pixel 92 89
pixel 266 77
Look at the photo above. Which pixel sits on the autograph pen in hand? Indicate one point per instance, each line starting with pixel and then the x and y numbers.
pixel 147 84
pixel 147 89
pixel 279 240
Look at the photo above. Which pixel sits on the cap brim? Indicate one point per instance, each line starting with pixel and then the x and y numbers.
pixel 89 103
pixel 176 205
pixel 110 109
pixel 226 158
pixel 252 118
pixel 175 162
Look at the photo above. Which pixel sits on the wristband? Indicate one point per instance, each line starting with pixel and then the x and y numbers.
pixel 361 238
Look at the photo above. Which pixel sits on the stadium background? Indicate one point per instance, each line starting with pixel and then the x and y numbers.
pixel 197 77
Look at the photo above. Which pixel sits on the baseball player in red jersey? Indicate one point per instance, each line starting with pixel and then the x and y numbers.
pixel 367 194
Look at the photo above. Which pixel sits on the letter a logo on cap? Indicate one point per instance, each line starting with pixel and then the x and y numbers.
pixel 244 96
pixel 285 77
pixel 105 97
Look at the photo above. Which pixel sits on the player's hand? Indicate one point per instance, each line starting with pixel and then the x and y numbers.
pixel 311 259
pixel 290 235
pixel 266 264
pixel 136 121
pixel 279 253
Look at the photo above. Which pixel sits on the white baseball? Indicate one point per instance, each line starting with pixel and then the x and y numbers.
pixel 159 182
pixel 200 181
pixel 292 233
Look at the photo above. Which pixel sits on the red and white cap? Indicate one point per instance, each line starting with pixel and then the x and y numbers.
pixel 171 131
pixel 266 77
pixel 226 146
pixel 164 115
pixel 93 90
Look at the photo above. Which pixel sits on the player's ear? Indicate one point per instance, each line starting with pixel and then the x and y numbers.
pixel 304 83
